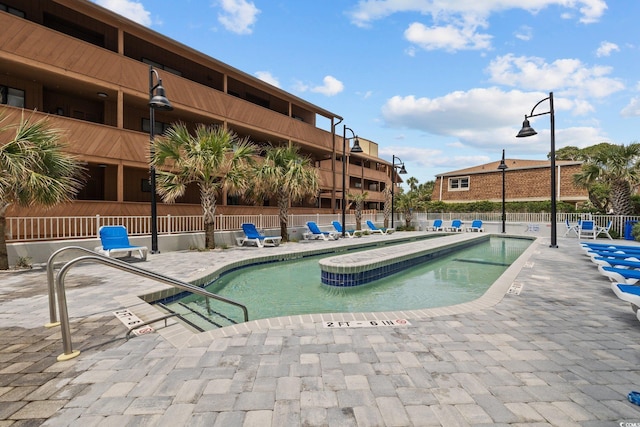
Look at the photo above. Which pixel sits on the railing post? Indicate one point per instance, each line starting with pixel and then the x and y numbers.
pixel 98 225
pixel 169 228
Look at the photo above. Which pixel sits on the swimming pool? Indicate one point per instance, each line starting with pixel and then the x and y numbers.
pixel 294 287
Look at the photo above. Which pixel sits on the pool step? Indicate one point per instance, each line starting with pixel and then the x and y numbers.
pixel 198 316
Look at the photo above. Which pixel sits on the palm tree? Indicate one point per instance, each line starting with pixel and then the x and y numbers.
pixel 616 166
pixel 214 158
pixel 287 176
pixel 386 210
pixel 34 170
pixel 412 182
pixel 358 200
pixel 407 203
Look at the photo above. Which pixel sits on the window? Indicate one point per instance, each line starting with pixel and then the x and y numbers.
pixel 11 10
pixel 459 183
pixel 159 127
pixel 160 66
pixel 11 96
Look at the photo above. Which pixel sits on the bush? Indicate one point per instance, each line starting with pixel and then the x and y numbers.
pixel 486 206
pixel 405 228
pixel 635 231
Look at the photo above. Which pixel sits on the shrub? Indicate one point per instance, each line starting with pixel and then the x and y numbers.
pixel 635 231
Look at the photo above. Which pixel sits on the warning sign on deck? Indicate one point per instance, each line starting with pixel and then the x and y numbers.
pixel 365 323
pixel 130 320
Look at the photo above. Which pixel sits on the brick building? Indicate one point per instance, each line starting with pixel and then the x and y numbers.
pixel 525 180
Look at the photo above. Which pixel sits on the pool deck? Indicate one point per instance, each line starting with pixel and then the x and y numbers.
pixel 549 344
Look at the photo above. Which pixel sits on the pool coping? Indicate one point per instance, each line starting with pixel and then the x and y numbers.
pixel 360 268
pixel 181 336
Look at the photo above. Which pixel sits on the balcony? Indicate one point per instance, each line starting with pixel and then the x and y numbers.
pixel 48 58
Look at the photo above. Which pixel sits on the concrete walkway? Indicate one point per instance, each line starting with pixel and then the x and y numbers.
pixel 555 348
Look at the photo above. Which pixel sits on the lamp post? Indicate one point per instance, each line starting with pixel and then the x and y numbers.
pixel 160 102
pixel 356 149
pixel 393 181
pixel 527 130
pixel 503 167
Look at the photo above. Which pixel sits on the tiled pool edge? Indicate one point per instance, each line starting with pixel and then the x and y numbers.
pixel 364 267
pixel 207 275
pixel 490 298
pixel 180 336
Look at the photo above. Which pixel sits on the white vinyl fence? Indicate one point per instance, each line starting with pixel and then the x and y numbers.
pixel 24 229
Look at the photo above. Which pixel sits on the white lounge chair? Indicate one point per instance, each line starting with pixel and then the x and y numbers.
pixel 604 230
pixel 436 226
pixel 456 226
pixel 571 228
pixel 476 225
pixel 252 235
pixel 115 240
pixel 374 229
pixel 588 229
pixel 316 233
pixel 338 227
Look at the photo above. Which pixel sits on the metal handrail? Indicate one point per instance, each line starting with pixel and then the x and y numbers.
pixel 53 319
pixel 62 299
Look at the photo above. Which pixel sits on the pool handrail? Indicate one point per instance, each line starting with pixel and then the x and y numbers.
pixel 53 317
pixel 121 265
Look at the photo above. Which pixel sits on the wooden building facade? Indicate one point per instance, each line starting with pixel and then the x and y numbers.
pixel 88 69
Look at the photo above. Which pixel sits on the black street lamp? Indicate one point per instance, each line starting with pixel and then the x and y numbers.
pixel 160 102
pixel 393 182
pixel 527 130
pixel 503 167
pixel 355 149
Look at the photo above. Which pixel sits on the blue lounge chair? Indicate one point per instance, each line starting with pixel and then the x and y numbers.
pixel 252 235
pixel 627 276
pixel 600 247
pixel 115 239
pixel 338 227
pixel 374 229
pixel 628 293
pixel 587 228
pixel 571 227
pixel 316 233
pixel 604 230
pixel 597 255
pixel 437 225
pixel 476 225
pixel 456 225
pixel 629 262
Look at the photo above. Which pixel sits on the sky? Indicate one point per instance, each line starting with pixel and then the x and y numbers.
pixel 439 84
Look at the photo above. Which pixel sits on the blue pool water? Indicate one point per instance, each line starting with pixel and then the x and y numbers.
pixel 294 287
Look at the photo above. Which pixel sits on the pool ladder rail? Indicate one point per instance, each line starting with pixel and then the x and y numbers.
pixel 56 289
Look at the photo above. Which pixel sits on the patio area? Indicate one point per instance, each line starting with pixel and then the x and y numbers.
pixel 555 348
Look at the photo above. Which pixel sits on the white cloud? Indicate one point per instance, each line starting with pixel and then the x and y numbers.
pixel 454 24
pixel 606 48
pixel 238 16
pixel 330 87
pixel 632 109
pixel 569 75
pixel 367 11
pixel 524 33
pixel 486 119
pixel 448 37
pixel 266 76
pixel 130 9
